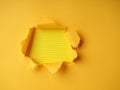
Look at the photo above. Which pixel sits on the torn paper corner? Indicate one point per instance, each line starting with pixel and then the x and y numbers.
pixel 54 66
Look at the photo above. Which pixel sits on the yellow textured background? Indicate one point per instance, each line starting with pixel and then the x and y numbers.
pixel 98 22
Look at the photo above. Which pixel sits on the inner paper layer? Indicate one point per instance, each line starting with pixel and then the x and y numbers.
pixel 51 46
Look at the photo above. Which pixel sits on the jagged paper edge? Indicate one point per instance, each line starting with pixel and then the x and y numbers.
pixel 72 36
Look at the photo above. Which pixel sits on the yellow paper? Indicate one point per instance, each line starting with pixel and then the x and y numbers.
pixel 98 23
pixel 51 46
